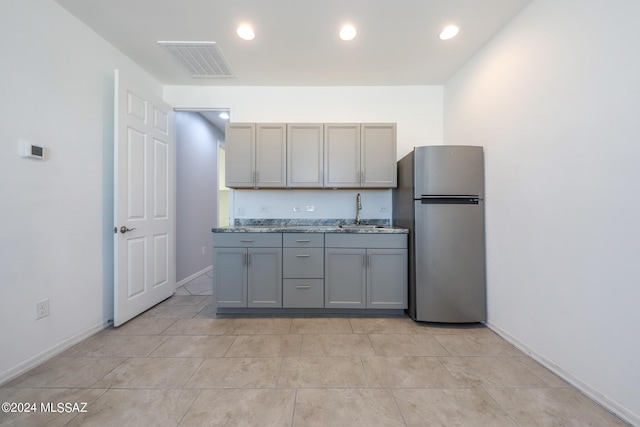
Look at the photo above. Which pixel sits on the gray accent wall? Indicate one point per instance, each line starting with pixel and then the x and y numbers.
pixel 196 194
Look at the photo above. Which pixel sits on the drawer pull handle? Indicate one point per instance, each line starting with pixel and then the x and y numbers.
pixel 303 256
pixel 247 240
pixel 303 241
pixel 303 286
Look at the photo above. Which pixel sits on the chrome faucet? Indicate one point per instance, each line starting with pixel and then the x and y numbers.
pixel 358 208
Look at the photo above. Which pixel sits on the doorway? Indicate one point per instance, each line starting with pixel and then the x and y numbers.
pixel 200 134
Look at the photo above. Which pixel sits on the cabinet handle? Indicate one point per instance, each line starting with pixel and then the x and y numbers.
pixel 303 287
pixel 368 260
pixel 303 256
pixel 248 259
pixel 244 259
pixel 303 240
pixel 247 240
pixel 364 260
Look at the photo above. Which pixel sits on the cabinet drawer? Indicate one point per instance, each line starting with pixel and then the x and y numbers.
pixel 303 262
pixel 303 293
pixel 247 240
pixel 303 240
pixel 391 241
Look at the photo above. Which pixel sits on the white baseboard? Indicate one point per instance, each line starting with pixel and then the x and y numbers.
pixel 38 359
pixel 193 276
pixel 604 401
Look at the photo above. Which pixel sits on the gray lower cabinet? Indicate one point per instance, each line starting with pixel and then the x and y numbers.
pixel 303 270
pixel 247 269
pixel 230 276
pixel 309 270
pixel 387 284
pixel 345 278
pixel 366 271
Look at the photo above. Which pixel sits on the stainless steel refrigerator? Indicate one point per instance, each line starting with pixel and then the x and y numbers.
pixel 440 199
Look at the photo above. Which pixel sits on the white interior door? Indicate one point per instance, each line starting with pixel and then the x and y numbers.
pixel 144 199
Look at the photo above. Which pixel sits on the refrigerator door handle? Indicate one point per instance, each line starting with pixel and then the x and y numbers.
pixel 462 200
pixel 449 196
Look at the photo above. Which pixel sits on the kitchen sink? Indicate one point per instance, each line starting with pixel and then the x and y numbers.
pixel 359 226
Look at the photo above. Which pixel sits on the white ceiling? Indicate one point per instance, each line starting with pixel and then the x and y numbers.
pixel 297 41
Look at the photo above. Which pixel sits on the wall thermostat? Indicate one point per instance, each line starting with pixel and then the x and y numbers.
pixel 27 149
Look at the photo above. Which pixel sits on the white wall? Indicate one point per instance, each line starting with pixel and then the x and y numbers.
pixel 554 98
pixel 56 240
pixel 196 183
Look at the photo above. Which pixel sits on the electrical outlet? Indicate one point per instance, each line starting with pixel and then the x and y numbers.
pixel 310 208
pixel 204 250
pixel 297 208
pixel 384 209
pixel 42 308
pixel 264 209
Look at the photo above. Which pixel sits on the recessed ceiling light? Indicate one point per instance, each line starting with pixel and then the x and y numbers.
pixel 449 32
pixel 348 32
pixel 224 115
pixel 245 32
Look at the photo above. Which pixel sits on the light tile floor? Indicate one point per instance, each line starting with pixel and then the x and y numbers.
pixel 177 364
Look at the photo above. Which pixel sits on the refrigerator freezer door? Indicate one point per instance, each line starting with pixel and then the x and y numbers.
pixel 450 262
pixel 445 170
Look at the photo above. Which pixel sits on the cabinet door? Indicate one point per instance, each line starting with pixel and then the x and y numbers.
pixel 265 277
pixel 305 155
pixel 271 154
pixel 387 278
pixel 378 155
pixel 240 155
pixel 345 278
pixel 230 277
pixel 342 155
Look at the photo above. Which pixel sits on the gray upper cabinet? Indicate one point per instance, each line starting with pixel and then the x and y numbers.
pixel 378 155
pixel 305 155
pixel 360 155
pixel 240 155
pixel 256 155
pixel 271 155
pixel 311 155
pixel 342 155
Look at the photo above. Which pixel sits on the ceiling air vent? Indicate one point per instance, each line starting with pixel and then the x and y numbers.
pixel 200 59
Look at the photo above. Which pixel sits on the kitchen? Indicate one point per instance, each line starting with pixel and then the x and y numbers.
pixel 559 78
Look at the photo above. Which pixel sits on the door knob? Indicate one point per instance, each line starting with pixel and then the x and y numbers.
pixel 124 229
